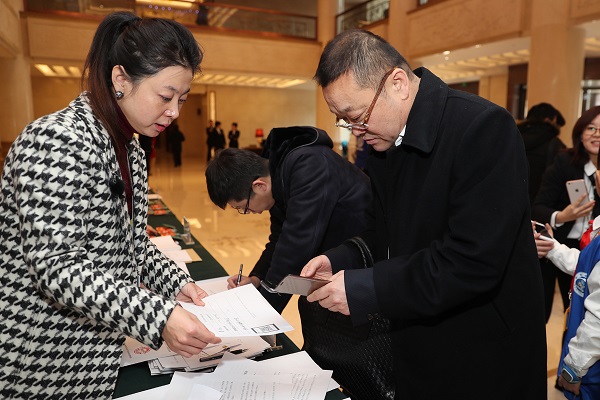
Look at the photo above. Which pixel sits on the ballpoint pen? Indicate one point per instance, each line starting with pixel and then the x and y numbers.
pixel 239 278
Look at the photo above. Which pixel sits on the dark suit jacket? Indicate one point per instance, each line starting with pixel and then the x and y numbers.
pixel 462 283
pixel 320 201
pixel 553 195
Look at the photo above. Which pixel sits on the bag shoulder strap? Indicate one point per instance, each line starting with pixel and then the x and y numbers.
pixel 364 251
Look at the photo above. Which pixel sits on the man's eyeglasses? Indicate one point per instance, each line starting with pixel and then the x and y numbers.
pixel 363 125
pixel 246 210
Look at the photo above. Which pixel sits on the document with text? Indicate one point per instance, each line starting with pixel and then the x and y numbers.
pixel 242 311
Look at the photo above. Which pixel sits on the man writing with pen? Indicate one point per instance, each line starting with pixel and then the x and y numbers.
pixel 316 200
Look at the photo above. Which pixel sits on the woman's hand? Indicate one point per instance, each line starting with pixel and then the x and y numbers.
pixel 191 293
pixel 185 334
pixel 543 245
pixel 577 210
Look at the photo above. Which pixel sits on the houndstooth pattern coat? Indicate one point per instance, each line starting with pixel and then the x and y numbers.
pixel 70 260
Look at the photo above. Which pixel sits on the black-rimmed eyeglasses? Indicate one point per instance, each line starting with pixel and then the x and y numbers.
pixel 363 125
pixel 246 210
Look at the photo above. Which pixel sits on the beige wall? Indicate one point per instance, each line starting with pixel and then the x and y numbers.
pixel 461 23
pixel 263 108
pixel 53 94
pixel 250 107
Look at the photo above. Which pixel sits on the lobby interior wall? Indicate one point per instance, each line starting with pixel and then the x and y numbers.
pixel 263 108
pixel 250 107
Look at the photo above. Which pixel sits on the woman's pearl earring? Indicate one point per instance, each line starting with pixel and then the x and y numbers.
pixel 119 95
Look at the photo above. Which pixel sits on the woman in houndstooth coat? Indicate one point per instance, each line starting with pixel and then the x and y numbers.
pixel 74 252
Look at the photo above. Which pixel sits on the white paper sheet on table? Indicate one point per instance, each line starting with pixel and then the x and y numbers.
pixel 214 285
pixel 232 386
pixel 136 352
pixel 178 255
pixel 165 243
pixel 201 392
pixel 241 311
pixel 157 393
pixel 309 381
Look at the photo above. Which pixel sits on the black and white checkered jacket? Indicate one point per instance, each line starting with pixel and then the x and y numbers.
pixel 70 260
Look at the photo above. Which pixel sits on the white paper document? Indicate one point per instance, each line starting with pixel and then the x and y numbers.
pixel 201 392
pixel 214 285
pixel 309 381
pixel 157 393
pixel 136 352
pixel 178 255
pixel 242 311
pixel 164 243
pixel 232 386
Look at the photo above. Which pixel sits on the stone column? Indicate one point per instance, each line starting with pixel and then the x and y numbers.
pixel 493 88
pixel 326 29
pixel 556 62
pixel 16 105
pixel 397 24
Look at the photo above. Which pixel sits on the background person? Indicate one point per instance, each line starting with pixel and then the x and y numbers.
pixel 552 204
pixel 210 139
pixel 316 200
pixel 176 138
pixel 449 228
pixel 579 370
pixel 540 132
pixel 234 136
pixel 219 137
pixel 73 208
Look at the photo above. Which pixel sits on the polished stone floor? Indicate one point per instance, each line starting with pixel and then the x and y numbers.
pixel 233 238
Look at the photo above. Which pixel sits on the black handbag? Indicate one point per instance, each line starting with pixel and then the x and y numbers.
pixel 360 357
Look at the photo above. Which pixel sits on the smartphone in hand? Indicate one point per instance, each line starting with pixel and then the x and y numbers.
pixel 541 229
pixel 576 188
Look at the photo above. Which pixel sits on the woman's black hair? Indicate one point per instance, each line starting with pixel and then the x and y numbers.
pixel 580 156
pixel 143 47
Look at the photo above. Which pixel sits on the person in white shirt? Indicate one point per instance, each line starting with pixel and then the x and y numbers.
pixel 584 347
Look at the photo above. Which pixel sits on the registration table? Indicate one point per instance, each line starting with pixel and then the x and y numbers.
pixel 136 378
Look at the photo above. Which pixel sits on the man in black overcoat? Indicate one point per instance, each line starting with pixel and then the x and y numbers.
pixel 449 227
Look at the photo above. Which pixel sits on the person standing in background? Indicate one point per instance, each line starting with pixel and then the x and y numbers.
pixel 79 272
pixel 210 139
pixel 552 204
pixel 234 136
pixel 176 138
pixel 147 144
pixel 219 137
pixel 540 132
pixel 316 199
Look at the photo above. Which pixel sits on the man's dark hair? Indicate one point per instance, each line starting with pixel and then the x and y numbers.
pixel 230 174
pixel 363 53
pixel 540 112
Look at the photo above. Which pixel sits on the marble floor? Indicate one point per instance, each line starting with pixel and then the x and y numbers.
pixel 234 239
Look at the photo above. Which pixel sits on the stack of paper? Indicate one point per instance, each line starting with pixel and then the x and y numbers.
pixel 294 376
pixel 172 250
pixel 164 361
pixel 239 316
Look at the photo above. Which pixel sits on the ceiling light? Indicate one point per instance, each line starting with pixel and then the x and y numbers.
pixel 45 70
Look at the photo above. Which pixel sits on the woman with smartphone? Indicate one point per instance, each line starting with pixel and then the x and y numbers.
pixel 567 198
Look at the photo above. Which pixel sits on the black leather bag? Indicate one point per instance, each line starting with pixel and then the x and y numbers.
pixel 360 357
